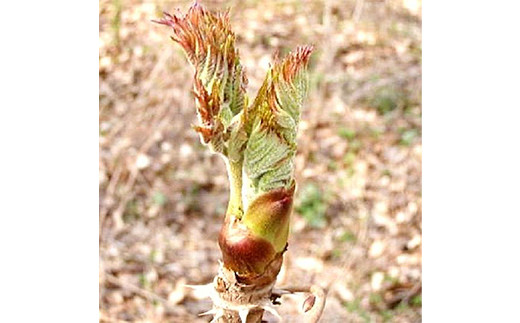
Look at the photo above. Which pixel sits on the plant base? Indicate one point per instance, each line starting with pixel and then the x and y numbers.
pixel 240 300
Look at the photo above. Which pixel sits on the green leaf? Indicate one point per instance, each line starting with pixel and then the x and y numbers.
pixel 272 124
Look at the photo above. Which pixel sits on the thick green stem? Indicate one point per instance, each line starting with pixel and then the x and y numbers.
pixel 235 207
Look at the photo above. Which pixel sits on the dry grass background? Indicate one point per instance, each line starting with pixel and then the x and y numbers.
pixel 357 221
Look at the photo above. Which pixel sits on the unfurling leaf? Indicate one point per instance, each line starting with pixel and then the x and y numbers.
pixel 220 81
pixel 272 124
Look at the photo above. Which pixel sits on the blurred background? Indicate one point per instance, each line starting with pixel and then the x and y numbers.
pixel 356 226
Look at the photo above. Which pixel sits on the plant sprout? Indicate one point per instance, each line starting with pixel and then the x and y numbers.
pixel 257 141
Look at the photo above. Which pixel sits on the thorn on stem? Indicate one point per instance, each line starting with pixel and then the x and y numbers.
pixel 210 312
pixel 243 313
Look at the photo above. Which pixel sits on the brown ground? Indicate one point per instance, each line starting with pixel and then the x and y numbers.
pixel 357 221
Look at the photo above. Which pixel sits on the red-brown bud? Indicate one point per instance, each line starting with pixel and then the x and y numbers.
pixel 269 214
pixel 251 243
pixel 242 251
